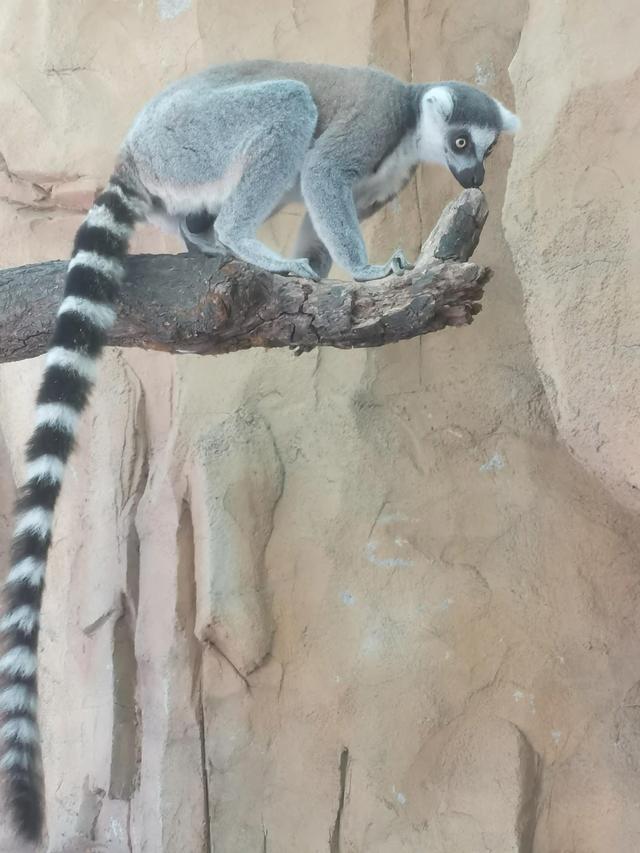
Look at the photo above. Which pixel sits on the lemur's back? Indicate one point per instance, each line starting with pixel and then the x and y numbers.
pixel 336 90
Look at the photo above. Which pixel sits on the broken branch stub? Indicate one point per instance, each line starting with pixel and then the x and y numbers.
pixel 189 303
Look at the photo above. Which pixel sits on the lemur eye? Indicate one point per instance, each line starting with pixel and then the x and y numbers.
pixel 461 143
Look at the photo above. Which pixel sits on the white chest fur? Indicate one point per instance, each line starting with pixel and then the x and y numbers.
pixel 390 176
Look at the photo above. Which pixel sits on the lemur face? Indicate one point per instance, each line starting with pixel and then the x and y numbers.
pixel 459 128
pixel 466 149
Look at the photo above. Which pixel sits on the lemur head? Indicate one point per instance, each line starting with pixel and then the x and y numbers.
pixel 459 126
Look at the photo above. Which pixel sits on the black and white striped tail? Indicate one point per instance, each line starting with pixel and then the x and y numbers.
pixel 95 273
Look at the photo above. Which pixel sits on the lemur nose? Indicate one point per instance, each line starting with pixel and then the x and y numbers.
pixel 472 177
pixel 478 175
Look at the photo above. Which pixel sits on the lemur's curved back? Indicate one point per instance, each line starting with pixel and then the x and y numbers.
pixel 95 273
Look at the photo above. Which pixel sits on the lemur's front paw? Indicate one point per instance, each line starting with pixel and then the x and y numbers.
pixel 396 265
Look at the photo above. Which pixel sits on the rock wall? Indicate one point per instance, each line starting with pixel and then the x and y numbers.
pixel 572 218
pixel 363 602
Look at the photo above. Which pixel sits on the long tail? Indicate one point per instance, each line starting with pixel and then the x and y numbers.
pixel 87 312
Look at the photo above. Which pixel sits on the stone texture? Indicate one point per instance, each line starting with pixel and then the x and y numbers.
pixel 572 218
pixel 363 602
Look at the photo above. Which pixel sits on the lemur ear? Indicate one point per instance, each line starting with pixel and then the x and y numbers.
pixel 440 99
pixel 510 121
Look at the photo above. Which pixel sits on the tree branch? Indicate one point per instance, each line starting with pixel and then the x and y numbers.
pixel 189 303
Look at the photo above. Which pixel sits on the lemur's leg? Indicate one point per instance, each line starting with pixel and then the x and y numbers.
pixel 327 189
pixel 235 152
pixel 198 233
pixel 272 159
pixel 309 245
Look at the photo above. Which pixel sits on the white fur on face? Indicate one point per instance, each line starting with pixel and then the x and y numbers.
pixel 482 137
pixel 510 121
pixel 431 132
pixel 439 98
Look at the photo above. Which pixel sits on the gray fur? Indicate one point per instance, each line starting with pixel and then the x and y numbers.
pixel 309 245
pixel 241 140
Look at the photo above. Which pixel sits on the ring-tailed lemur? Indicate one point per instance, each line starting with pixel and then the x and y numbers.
pixel 214 156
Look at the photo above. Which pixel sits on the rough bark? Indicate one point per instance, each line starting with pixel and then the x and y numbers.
pixel 188 303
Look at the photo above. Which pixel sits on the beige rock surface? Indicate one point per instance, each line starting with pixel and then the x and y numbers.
pixel 350 602
pixel 572 219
